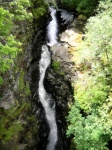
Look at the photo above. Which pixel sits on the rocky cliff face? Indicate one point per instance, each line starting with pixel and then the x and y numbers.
pixel 18 123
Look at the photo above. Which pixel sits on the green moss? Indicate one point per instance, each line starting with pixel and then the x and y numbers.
pixel 24 107
pixel 56 65
pixel 31 118
pixel 13 131
pixel 7 131
pixel 23 86
pixel 21 80
pixel 10 125
pixel 62 73
pixel 27 89
pixel 1 81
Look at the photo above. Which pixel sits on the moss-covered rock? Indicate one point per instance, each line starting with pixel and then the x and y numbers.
pixel 82 17
pixel 18 125
pixel 56 65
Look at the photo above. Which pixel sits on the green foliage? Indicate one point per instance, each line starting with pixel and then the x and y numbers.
pixel 1 80
pixel 86 6
pixel 5 22
pixel 56 65
pixel 91 92
pixel 8 52
pixel 23 86
pixel 12 131
pixel 17 123
pixel 91 132
pixel 14 122
pixel 20 10
pixel 90 115
pixel 7 129
pixel 83 6
pixel 38 12
pixel 39 8
pixel 70 3
pixel 53 3
pixel 9 47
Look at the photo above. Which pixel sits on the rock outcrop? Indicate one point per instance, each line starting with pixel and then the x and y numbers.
pixel 18 123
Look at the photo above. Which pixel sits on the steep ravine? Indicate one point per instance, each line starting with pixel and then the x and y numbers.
pixel 57 83
pixel 20 105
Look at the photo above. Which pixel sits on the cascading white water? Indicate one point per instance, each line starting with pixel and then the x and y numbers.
pixel 52 28
pixel 46 99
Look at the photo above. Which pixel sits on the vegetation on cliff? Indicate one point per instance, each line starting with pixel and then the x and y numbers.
pixel 9 47
pixel 10 20
pixel 18 125
pixel 90 117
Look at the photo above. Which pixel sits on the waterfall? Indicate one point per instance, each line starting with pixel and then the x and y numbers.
pixel 52 28
pixel 55 138
pixel 46 99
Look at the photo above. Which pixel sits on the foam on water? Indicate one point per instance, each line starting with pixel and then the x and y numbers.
pixel 52 28
pixel 46 99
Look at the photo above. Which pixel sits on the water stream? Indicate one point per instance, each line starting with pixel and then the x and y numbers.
pixel 45 98
pixel 52 28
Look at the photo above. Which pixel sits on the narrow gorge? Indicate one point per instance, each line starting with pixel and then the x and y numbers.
pixel 54 92
pixel 55 75
pixel 35 100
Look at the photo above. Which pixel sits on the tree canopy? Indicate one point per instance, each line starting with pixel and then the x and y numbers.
pixel 11 15
pixel 90 117
pixel 81 6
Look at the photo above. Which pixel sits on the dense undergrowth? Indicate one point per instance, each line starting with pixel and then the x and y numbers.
pixel 86 7
pixel 90 117
pixel 12 16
